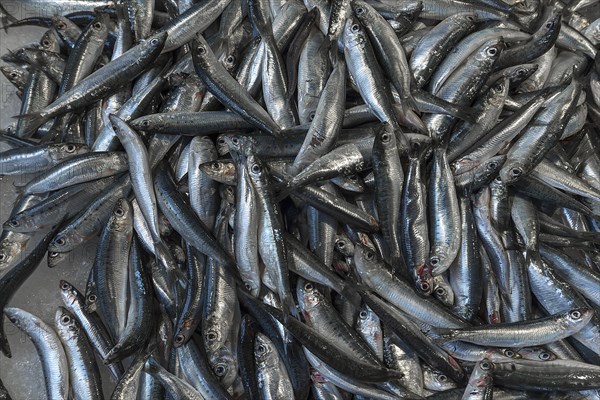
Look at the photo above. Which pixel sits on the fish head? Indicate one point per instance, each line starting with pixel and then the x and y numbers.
pixel 10 250
pixel 578 317
pixel 59 152
pixel 264 350
pixel 366 260
pixel 491 49
pixel 309 296
pixel 354 34
pixel 69 294
pixel 423 279
pixel 224 365
pixel 536 354
pixel 65 322
pixel 442 290
pixel 362 11
pixel 512 172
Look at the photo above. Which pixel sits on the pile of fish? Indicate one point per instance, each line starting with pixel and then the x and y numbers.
pixel 370 198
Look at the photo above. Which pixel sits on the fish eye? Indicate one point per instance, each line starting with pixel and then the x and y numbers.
pixel 220 369
pixel 221 141
pixel 434 261
pixel 65 286
pixel 311 116
pixel 53 254
pixel 98 26
pixel 2 256
pixel 440 291
pixel 92 298
pixel 119 212
pixel 261 349
pixel 154 42
pixel 235 140
pixel 492 51
pixel 424 286
pixel 60 241
pixel 230 59
pixel 308 286
pixel 516 171
pixel 509 353
pixel 442 378
pixel 201 50
pixel 355 28
pixel 341 244
pixel 65 320
pixel 492 166
pixel 216 165
pixel 549 24
pixel 360 11
pixel 45 43
pixel 256 168
pixel 362 314
pixel 61 25
pixel 575 314
pixel 470 18
pixel 14 222
pixel 211 336
pixel 145 123
pixel 544 356
pixel 248 286
pixel 179 339
pixel 521 72
pixel 70 148
pixel 385 138
pixel 486 366
pixel 13 74
pixel 369 255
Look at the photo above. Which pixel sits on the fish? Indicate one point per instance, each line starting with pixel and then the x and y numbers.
pixel 302 199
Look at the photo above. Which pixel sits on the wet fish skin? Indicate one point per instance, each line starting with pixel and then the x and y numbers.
pixel 49 349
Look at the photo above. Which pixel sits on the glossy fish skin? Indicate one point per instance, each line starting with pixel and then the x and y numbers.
pixel 227 90
pixel 270 372
pixel 271 248
pixel 12 244
pixel 433 47
pixel 90 323
pixel 202 150
pixel 49 349
pixel 388 50
pixel 444 214
pixel 37 93
pixel 481 382
pixel 14 278
pixel 415 230
pixel 389 178
pixel 530 333
pixel 78 169
pixel 103 81
pixel 184 28
pixel 83 371
pixel 366 72
pixel 313 72
pixel 89 222
pixel 463 85
pixel 37 158
pixel 327 122
pixel 184 219
pixel 542 134
pixel 562 375
pixel 380 279
pixel 140 318
pixel 110 267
